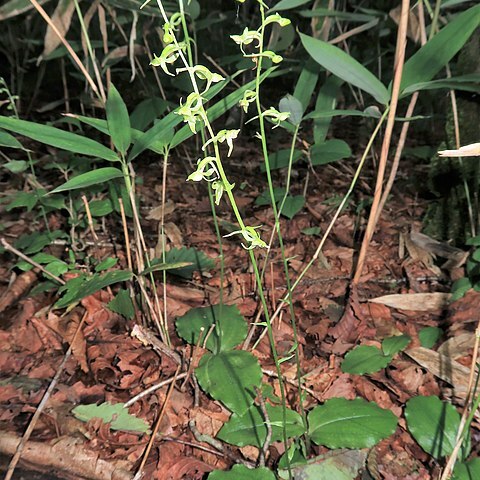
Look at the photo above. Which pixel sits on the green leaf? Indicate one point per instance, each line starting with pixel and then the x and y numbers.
pixel 122 304
pixel 147 111
pixel 16 166
pixel 306 83
pixel 393 345
pixel 241 472
pixel 292 206
pixel 365 359
pixel 26 200
pixel 34 242
pixel 474 241
pixel 58 138
pixel 434 425
pixel 346 67
pixel 230 377
pixel 460 287
pixel 291 104
pixel 109 262
pixel 80 287
pixel 264 197
pixel 94 177
pixel 467 83
pixel 198 260
pixel 100 208
pixel 156 265
pixel 13 8
pixel 281 159
pixel 438 51
pixel 340 423
pixel 118 120
pixel 117 415
pixel 312 231
pixel 249 428
pixel 230 330
pixel 329 151
pixel 467 471
pixel 7 140
pixel 335 465
pixel 326 102
pixel 288 4
pixel 429 336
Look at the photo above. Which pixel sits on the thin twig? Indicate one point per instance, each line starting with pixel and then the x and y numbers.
pixel 42 404
pixel 19 254
pixel 268 425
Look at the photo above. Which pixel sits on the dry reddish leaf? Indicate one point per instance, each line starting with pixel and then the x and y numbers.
pixel 18 288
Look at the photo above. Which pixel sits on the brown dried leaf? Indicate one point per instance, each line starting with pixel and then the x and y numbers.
pixel 420 302
pixel 61 18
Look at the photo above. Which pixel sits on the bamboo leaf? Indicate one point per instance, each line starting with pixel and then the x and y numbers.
pixel 118 120
pixel 88 179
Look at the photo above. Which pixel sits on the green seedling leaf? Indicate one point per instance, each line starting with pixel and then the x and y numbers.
pixel 326 102
pixel 230 330
pixel 34 242
pixel 249 428
pixel 94 177
pixel 467 471
pixel 58 138
pixel 434 425
pixel 345 67
pixel 474 241
pixel 100 208
pixel 365 359
pixel 392 345
pixel 7 140
pixel 429 336
pixel 336 465
pixel 106 264
pixel 329 151
pixel 292 206
pixel 122 304
pixel 460 287
pixel 264 197
pixel 196 259
pixel 291 104
pixel 78 288
pixel 230 377
pixel 117 415
pixel 438 51
pixel 118 120
pixel 22 200
pixel 241 472
pixel 16 166
pixel 281 159
pixel 340 423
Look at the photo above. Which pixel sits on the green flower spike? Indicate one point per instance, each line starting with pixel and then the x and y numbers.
pixel 251 236
pixel 203 73
pixel 276 18
pixel 247 37
pixel 191 110
pixel 169 55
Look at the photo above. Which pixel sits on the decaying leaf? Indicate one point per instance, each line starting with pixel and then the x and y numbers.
pixel 472 150
pixel 61 18
pixel 420 302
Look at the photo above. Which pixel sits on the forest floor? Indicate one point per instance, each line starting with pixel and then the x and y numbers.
pixel 108 364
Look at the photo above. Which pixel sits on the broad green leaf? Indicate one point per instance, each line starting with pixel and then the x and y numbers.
pixel 7 140
pixel 291 104
pixel 230 377
pixel 157 266
pixel 292 206
pixel 146 112
pixel 326 102
pixel 250 429
pixel 392 345
pixel 117 415
pixel 122 304
pixel 438 51
pixel 434 425
pixel 460 287
pixel 94 177
pixel 365 359
pixel 469 83
pixel 429 336
pixel 288 4
pixel 26 200
pixel 340 15
pixel 474 241
pixel 198 260
pixel 340 423
pixel 241 472
pixel 118 120
pixel 335 465
pixel 58 138
pixel 230 327
pixel 264 197
pixel 329 151
pixel 306 82
pixel 80 287
pixel 281 159
pixel 16 166
pixel 109 262
pixel 100 208
pixel 467 471
pixel 12 8
pixel 34 242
